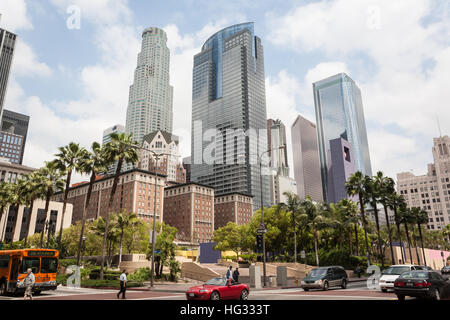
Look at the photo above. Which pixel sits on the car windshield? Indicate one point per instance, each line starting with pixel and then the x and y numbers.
pixel 216 282
pixel 396 270
pixel 317 273
pixel 414 275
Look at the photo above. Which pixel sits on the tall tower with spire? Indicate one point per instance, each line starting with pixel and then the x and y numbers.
pixel 151 95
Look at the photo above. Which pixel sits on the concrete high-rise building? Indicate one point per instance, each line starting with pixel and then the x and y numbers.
pixel 276 137
pixel 340 114
pixel 187 167
pixel 306 159
pixel 17 124
pixel 151 95
pixel 7 47
pixel 118 128
pixel 431 191
pixel 342 166
pixel 228 98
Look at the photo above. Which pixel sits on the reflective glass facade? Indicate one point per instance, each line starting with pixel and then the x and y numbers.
pixel 340 114
pixel 228 94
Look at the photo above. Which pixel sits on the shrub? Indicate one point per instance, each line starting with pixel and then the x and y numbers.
pixel 141 274
pixel 107 274
pixel 67 262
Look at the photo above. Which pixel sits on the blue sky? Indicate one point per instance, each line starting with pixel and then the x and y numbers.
pixel 74 82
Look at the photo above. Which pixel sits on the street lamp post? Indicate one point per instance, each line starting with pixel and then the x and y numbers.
pixel 84 248
pixel 153 238
pixel 262 228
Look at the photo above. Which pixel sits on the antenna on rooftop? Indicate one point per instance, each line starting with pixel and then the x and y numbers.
pixel 439 126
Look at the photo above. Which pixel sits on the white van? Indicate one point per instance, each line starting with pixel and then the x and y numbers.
pixel 389 275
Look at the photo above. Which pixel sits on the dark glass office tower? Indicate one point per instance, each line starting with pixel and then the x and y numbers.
pixel 228 94
pixel 340 114
pixel 7 44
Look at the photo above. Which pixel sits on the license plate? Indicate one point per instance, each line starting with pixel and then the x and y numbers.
pixel 191 295
pixel 409 284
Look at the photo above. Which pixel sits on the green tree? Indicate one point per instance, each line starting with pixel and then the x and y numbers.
pixel 122 149
pixel 406 218
pixel 314 216
pixel 68 160
pixel 6 197
pixel 50 179
pixel 93 163
pixel 164 245
pixel 232 237
pixel 292 206
pixel 420 217
pixel 374 189
pixel 386 190
pixel 34 191
pixel 124 221
pixel 396 202
pixel 17 198
pixel 346 212
pixel 356 186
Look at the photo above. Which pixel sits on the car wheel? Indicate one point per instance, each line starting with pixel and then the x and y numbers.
pixel 3 289
pixel 384 290
pixel 215 296
pixel 325 286
pixel 244 295
pixel 344 284
pixel 400 298
pixel 436 295
pixel 305 289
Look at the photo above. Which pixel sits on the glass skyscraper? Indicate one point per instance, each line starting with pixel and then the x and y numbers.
pixel 151 95
pixel 228 95
pixel 340 114
pixel 7 47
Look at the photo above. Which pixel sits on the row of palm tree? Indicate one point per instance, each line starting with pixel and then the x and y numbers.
pixel 381 190
pixel 343 217
pixel 45 182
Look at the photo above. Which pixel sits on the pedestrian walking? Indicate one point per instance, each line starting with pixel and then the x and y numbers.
pixel 123 284
pixel 358 271
pixel 236 275
pixel 230 273
pixel 29 282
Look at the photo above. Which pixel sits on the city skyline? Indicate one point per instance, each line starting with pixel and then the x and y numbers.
pixel 288 85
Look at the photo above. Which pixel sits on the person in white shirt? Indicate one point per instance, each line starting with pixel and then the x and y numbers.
pixel 29 282
pixel 123 284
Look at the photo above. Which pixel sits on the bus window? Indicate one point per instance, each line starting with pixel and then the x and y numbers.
pixel 49 265
pixel 32 263
pixel 4 261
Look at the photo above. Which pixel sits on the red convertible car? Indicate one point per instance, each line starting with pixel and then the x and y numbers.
pixel 218 289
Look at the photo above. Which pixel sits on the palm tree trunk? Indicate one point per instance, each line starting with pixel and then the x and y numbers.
pixel 409 242
pixel 17 206
pixel 417 250
pixel 295 246
pixel 399 235
pixel 120 249
pixel 377 222
pixel 110 203
pixel 83 219
pixel 421 241
pixel 47 202
pixel 316 249
pixel 356 239
pixel 365 229
pixel 350 247
pixel 2 208
pixel 28 221
pixel 390 233
pixel 66 194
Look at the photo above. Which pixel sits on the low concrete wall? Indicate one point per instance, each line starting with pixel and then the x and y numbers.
pixel 294 270
pixel 195 271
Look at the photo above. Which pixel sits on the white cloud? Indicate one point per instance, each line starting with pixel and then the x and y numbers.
pixel 26 63
pixel 395 45
pixel 14 15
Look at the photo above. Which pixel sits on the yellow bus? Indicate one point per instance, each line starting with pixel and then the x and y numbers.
pixel 14 265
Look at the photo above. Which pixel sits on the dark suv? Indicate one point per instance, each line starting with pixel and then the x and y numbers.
pixel 325 277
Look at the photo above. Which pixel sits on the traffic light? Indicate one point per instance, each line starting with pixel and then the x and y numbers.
pixel 259 243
